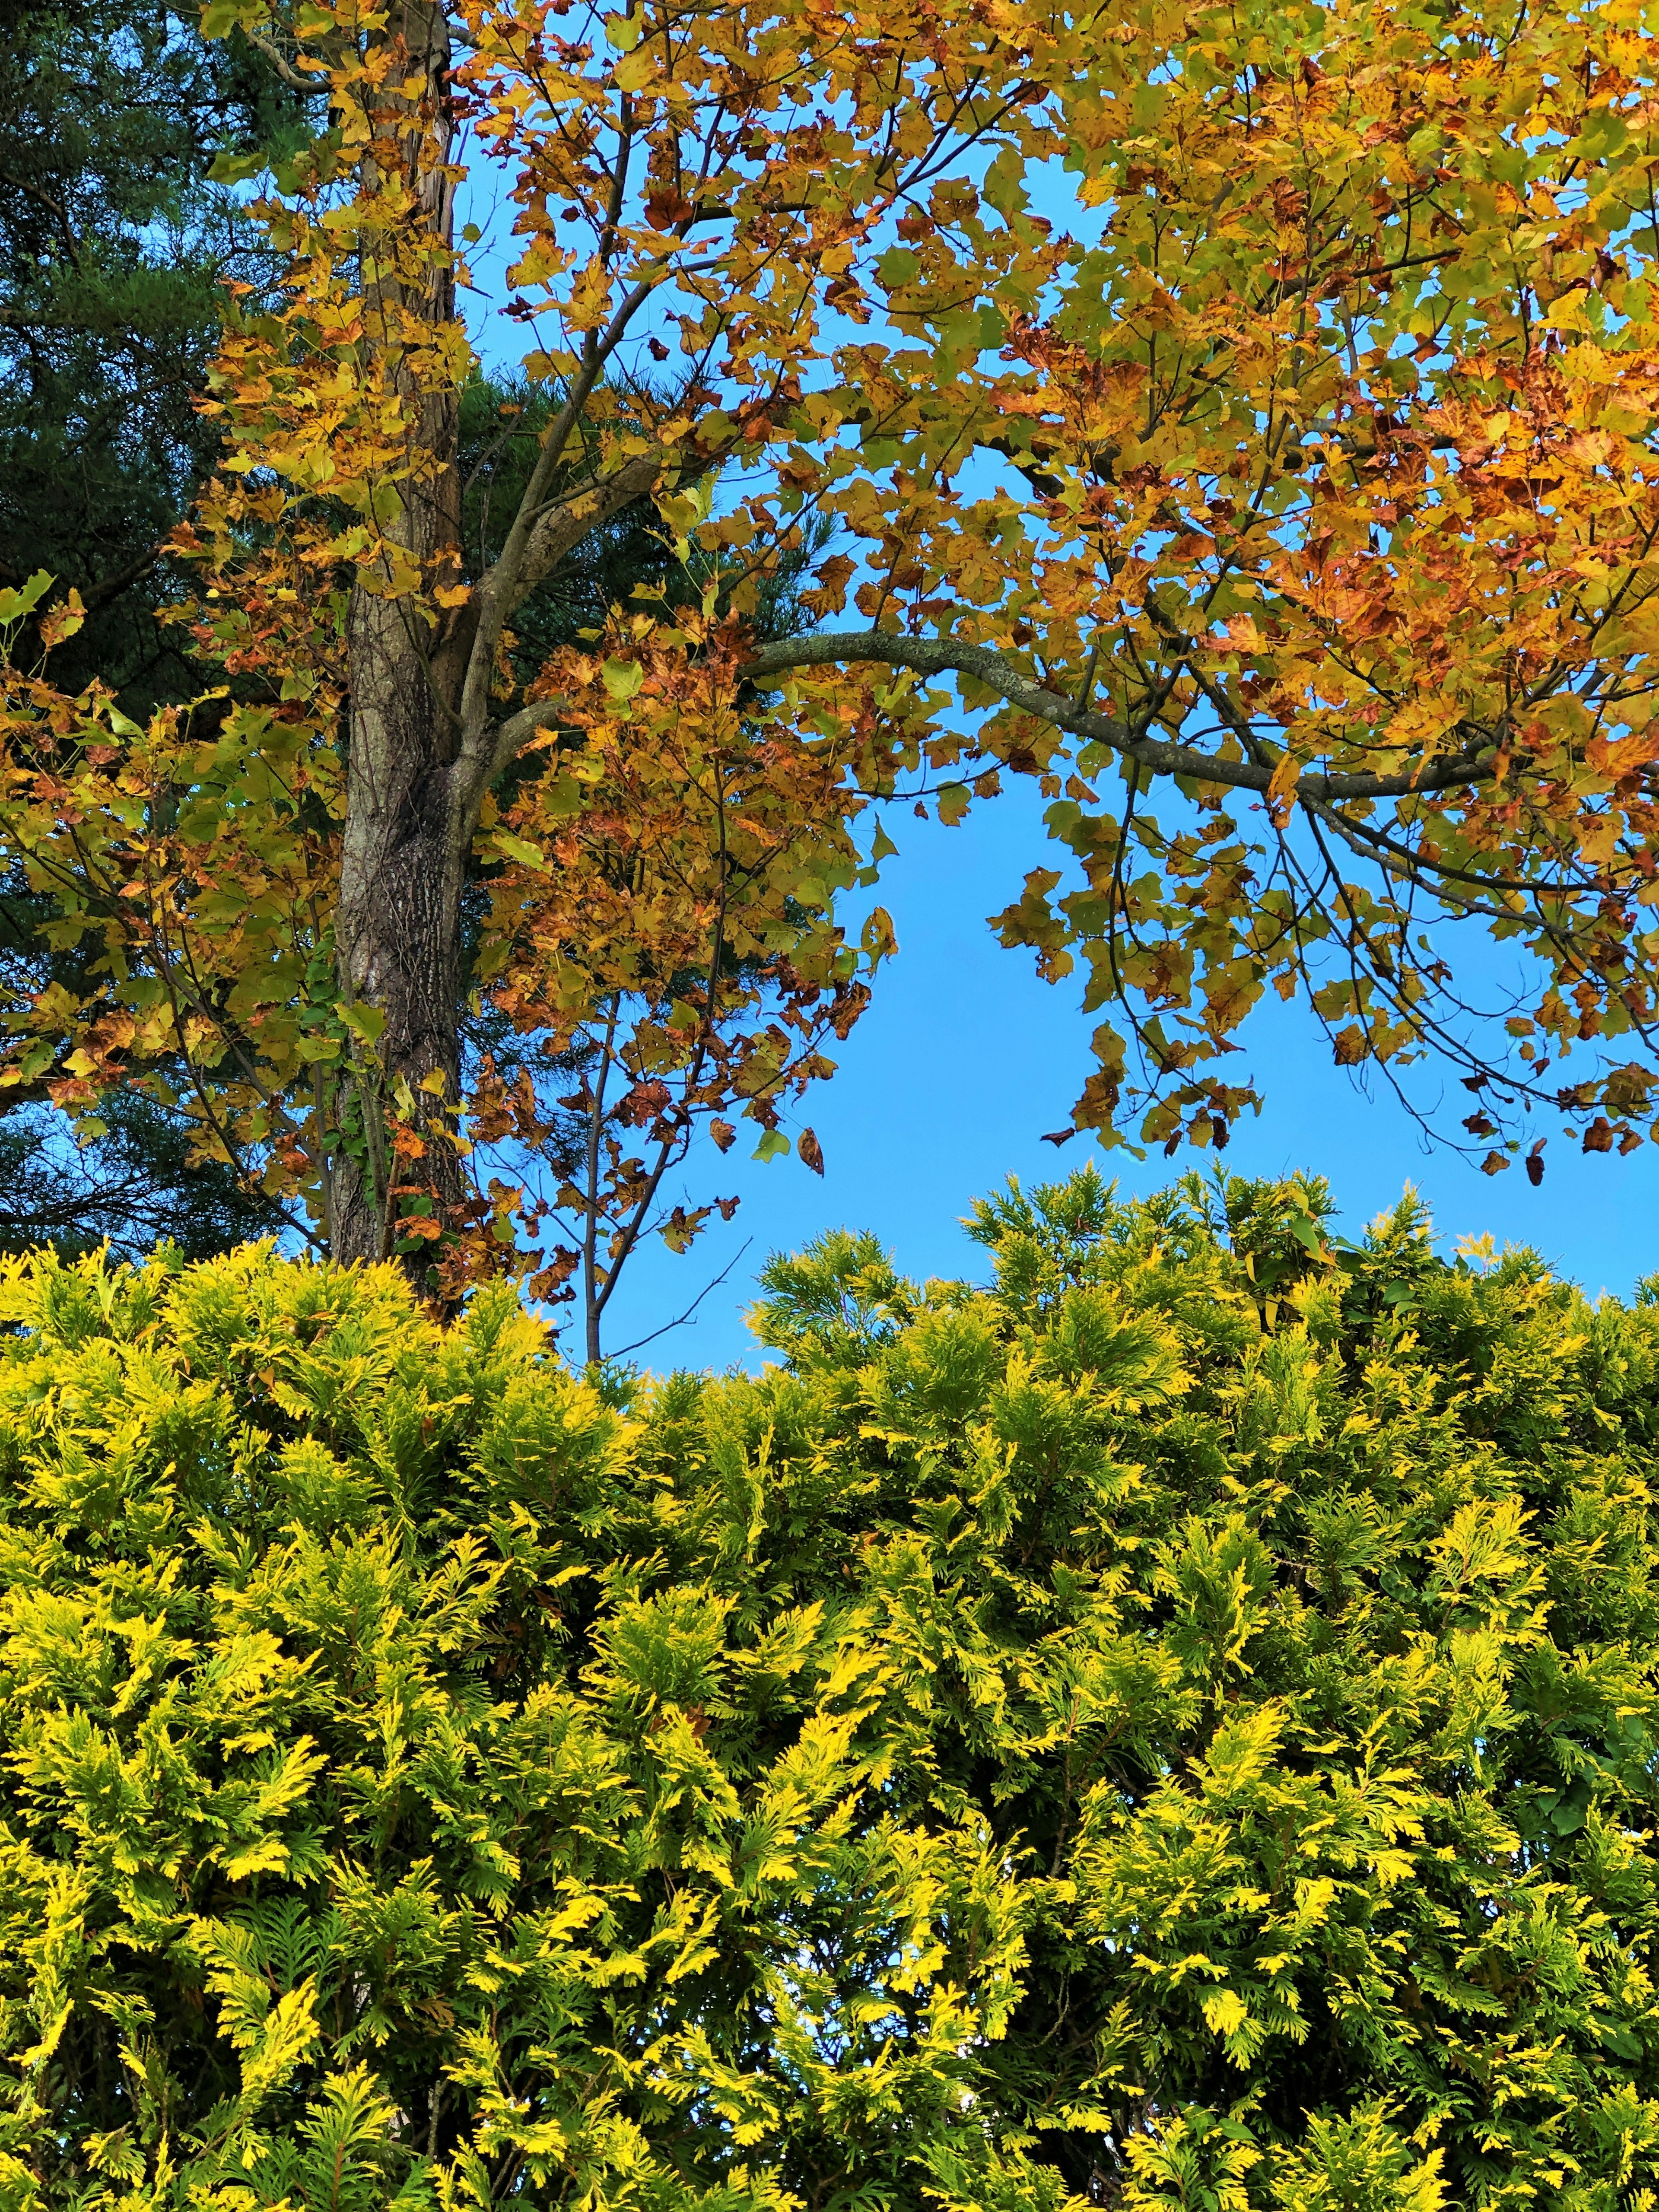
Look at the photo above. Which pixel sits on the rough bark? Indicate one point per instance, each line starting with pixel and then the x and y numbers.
pixel 424 741
pixel 397 926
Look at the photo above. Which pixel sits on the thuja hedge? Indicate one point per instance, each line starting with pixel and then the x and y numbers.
pixel 1176 1728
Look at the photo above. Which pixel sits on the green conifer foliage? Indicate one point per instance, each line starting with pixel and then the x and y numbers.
pixel 1174 1729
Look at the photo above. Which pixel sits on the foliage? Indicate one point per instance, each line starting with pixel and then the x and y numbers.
pixel 1122 1735
pixel 113 243
pixel 588 1087
pixel 1302 483
pixel 133 1186
pixel 136 1177
pixel 196 874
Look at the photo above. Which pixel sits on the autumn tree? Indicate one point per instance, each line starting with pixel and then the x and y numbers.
pixel 114 242
pixel 1252 412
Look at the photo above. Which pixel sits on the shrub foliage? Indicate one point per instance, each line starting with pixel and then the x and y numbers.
pixel 1174 1729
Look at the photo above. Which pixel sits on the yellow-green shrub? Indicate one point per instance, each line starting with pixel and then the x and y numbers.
pixel 1177 1728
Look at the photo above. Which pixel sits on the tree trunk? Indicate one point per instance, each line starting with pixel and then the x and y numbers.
pixel 397 934
pixel 397 926
pixel 424 739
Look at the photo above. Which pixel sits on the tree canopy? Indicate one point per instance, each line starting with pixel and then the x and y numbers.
pixel 1173 1727
pixel 1248 412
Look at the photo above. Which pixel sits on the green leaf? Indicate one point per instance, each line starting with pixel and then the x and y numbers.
pixel 623 678
pixel 15 604
pixel 519 849
pixel 236 168
pixel 364 1021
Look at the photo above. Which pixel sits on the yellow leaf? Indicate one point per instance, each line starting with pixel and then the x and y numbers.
pixel 1281 791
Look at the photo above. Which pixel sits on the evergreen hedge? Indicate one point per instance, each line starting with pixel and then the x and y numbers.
pixel 1177 1728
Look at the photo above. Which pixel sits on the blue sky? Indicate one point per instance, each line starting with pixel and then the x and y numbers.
pixel 965 1058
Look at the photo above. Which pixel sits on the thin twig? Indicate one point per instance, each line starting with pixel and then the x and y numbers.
pixel 640 1343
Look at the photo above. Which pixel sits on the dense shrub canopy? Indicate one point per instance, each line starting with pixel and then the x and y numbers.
pixel 1174 1729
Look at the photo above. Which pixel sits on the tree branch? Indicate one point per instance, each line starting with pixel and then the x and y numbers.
pixel 111 587
pixel 533 548
pixel 941 657
pixel 563 527
pixel 508 739
pixel 680 1320
pixel 286 70
pixel 486 752
pixel 53 205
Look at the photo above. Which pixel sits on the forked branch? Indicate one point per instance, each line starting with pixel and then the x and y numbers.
pixel 942 657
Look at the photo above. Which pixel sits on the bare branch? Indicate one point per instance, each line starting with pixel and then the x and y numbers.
pixel 508 739
pixel 561 528
pixel 680 1320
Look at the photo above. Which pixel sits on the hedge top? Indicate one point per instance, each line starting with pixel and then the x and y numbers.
pixel 1174 1727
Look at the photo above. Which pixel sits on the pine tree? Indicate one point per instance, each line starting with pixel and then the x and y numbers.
pixel 114 244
